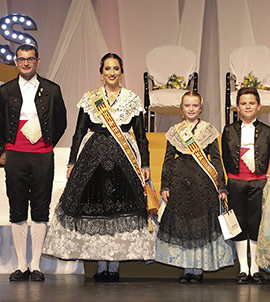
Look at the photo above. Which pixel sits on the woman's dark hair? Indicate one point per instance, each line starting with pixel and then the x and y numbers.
pixel 111 56
pixel 27 47
pixel 247 90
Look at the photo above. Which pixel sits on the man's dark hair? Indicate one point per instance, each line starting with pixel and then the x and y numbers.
pixel 27 47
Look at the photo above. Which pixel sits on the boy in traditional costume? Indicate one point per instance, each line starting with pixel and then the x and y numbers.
pixel 246 151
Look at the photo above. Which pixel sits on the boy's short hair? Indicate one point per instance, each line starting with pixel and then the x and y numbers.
pixel 247 90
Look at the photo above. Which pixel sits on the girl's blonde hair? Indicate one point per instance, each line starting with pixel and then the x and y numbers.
pixel 192 93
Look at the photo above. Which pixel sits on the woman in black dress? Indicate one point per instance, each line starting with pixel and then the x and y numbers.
pixel 102 213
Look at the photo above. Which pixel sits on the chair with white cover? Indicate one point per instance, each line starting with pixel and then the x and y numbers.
pixel 162 62
pixel 253 59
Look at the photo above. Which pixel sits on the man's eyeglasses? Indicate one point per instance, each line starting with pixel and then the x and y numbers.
pixel 21 60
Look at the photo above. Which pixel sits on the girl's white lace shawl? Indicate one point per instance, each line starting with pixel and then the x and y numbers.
pixel 204 134
pixel 126 106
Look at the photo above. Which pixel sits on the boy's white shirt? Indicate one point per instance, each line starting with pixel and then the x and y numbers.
pixel 247 141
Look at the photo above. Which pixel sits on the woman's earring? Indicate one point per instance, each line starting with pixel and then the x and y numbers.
pixel 102 80
pixel 121 81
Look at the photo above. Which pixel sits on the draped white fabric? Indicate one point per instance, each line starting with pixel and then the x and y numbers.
pixel 251 58
pixel 161 67
pixel 245 24
pixel 143 26
pixel 235 30
pixel 161 63
pixel 75 63
pixel 191 27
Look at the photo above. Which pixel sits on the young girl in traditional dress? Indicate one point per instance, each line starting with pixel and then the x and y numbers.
pixel 189 234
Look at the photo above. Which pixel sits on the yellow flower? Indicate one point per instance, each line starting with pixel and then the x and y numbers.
pixel 261 86
pixel 176 82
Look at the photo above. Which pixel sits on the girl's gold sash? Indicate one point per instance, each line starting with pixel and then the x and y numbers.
pixel 196 151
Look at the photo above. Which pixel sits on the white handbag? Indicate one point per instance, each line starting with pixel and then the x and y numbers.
pixel 228 223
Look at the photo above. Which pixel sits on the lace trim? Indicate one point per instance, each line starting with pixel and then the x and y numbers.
pixel 102 225
pixel 127 106
pixel 101 216
pixel 181 232
pixel 71 245
pixel 205 134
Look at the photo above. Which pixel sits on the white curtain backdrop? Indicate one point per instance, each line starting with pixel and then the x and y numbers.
pixel 260 22
pixel 191 27
pixel 143 26
pixel 76 58
pixel 235 30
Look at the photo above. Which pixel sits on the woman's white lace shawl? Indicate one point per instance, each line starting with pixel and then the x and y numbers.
pixel 204 134
pixel 127 105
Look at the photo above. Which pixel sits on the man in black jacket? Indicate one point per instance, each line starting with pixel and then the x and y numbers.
pixel 33 119
pixel 246 152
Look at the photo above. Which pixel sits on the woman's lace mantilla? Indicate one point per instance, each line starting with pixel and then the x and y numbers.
pixel 127 106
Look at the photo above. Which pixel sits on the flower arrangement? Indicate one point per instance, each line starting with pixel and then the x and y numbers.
pixel 251 81
pixel 174 82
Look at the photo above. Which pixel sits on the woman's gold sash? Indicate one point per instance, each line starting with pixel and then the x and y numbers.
pixel 102 108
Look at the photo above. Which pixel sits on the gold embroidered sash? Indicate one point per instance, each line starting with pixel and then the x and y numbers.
pixel 196 151
pixel 102 108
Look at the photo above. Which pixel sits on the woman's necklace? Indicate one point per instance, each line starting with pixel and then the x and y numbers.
pixel 112 96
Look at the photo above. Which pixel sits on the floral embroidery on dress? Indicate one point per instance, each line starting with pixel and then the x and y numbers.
pixel 66 244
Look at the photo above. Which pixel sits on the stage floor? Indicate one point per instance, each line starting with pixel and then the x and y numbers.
pixel 74 288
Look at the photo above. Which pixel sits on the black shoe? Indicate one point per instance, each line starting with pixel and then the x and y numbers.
pixel 185 279
pixel 196 278
pixel 101 277
pixel 258 278
pixel 242 278
pixel 37 276
pixel 18 275
pixel 113 277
